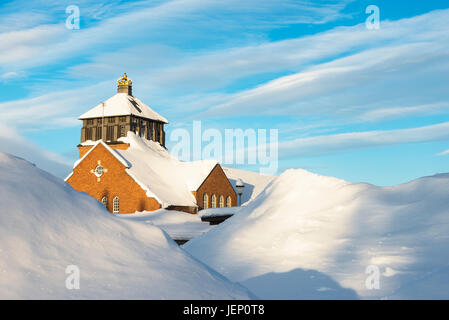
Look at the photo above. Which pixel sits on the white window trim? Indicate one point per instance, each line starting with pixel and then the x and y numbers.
pixel 116 205
pixel 104 201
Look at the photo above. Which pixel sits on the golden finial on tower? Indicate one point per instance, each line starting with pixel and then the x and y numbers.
pixel 124 84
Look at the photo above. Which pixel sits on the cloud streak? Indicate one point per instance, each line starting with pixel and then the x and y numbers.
pixel 12 143
pixel 344 142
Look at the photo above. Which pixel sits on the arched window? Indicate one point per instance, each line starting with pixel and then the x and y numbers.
pixel 104 200
pixel 228 201
pixel 214 201
pixel 116 205
pixel 205 201
pixel 221 201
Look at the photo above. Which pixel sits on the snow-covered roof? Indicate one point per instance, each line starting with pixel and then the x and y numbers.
pixel 218 212
pixel 196 172
pixel 115 154
pixel 253 182
pixel 123 104
pixel 156 171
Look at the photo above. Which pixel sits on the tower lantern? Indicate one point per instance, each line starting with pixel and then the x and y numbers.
pixel 125 85
pixel 114 118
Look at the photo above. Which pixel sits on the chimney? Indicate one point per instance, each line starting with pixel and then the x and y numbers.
pixel 125 85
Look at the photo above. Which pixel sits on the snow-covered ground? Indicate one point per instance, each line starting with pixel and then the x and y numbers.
pixel 179 225
pixel 310 236
pixel 45 226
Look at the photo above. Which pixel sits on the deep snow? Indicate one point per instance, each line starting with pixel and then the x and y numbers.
pixel 178 224
pixel 310 236
pixel 45 226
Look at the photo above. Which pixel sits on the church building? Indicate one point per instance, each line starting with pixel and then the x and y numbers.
pixel 123 162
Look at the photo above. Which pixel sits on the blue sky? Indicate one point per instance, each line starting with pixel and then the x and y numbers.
pixel 358 104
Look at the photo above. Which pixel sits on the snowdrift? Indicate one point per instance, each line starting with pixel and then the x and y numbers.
pixel 309 236
pixel 45 226
pixel 177 224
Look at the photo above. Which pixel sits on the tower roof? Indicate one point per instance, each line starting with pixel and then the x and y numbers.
pixel 123 104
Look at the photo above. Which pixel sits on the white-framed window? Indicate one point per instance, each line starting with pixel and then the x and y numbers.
pixel 104 200
pixel 214 201
pixel 205 201
pixel 221 202
pixel 228 201
pixel 116 205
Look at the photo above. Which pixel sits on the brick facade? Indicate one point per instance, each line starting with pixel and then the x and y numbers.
pixel 114 182
pixel 216 184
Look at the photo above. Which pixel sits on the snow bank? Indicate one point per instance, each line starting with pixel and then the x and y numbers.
pixel 309 236
pixel 178 224
pixel 45 226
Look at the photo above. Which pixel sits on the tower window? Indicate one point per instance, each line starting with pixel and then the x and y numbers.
pixel 98 136
pixel 205 201
pixel 88 133
pixel 122 131
pixel 116 205
pixel 110 133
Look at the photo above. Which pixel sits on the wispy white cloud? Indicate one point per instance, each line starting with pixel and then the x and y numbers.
pixel 11 142
pixel 350 86
pixel 53 109
pixel 444 153
pixel 162 22
pixel 343 142
pixel 371 82
pixel 9 75
pixel 380 113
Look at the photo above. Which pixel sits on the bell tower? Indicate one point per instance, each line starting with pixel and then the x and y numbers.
pixel 121 113
pixel 125 85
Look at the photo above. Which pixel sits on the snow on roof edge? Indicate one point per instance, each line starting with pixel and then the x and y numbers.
pixel 68 177
pixel 115 154
pixel 123 107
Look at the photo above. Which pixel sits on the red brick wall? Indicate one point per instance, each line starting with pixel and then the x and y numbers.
pixel 216 183
pixel 114 182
